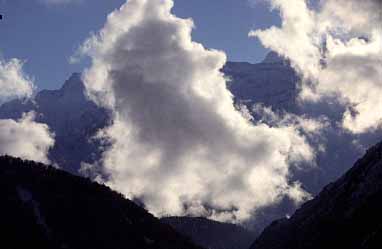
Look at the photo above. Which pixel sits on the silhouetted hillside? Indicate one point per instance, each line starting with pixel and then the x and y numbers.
pixel 45 208
pixel 212 234
pixel 346 214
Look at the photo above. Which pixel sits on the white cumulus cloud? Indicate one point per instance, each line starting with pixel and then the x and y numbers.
pixel 23 138
pixel 13 82
pixel 176 142
pixel 337 49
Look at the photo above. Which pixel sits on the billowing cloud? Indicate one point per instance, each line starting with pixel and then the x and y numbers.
pixel 337 49
pixel 177 143
pixel 310 127
pixel 23 138
pixel 13 82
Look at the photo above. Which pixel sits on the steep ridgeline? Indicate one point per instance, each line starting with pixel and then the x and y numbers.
pixel 74 119
pixel 346 214
pixel 212 234
pixel 45 208
pixel 70 115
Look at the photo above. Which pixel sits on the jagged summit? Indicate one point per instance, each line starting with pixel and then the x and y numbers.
pixel 74 83
pixel 75 119
pixel 72 117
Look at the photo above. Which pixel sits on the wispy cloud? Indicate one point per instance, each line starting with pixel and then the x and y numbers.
pixel 337 50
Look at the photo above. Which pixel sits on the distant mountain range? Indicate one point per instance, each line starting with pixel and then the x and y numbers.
pixel 45 208
pixel 64 211
pixel 346 214
pixel 75 120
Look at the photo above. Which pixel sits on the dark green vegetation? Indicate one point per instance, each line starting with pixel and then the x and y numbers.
pixel 346 214
pixel 45 208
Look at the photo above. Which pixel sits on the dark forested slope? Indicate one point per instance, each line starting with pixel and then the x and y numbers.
pixel 212 234
pixel 346 214
pixel 45 208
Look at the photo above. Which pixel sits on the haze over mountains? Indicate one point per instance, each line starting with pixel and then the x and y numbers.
pixel 75 120
pixel 167 122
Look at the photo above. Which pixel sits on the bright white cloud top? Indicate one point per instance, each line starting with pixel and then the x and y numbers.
pixel 337 48
pixel 23 138
pixel 177 142
pixel 13 82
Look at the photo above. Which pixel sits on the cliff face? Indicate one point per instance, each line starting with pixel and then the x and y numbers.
pixel 45 208
pixel 346 214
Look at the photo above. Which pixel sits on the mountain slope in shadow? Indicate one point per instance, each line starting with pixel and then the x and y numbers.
pixel 212 234
pixel 45 208
pixel 346 214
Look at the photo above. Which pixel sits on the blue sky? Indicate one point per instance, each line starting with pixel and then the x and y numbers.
pixel 46 35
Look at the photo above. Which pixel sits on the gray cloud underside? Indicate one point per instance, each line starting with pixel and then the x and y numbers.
pixel 177 141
